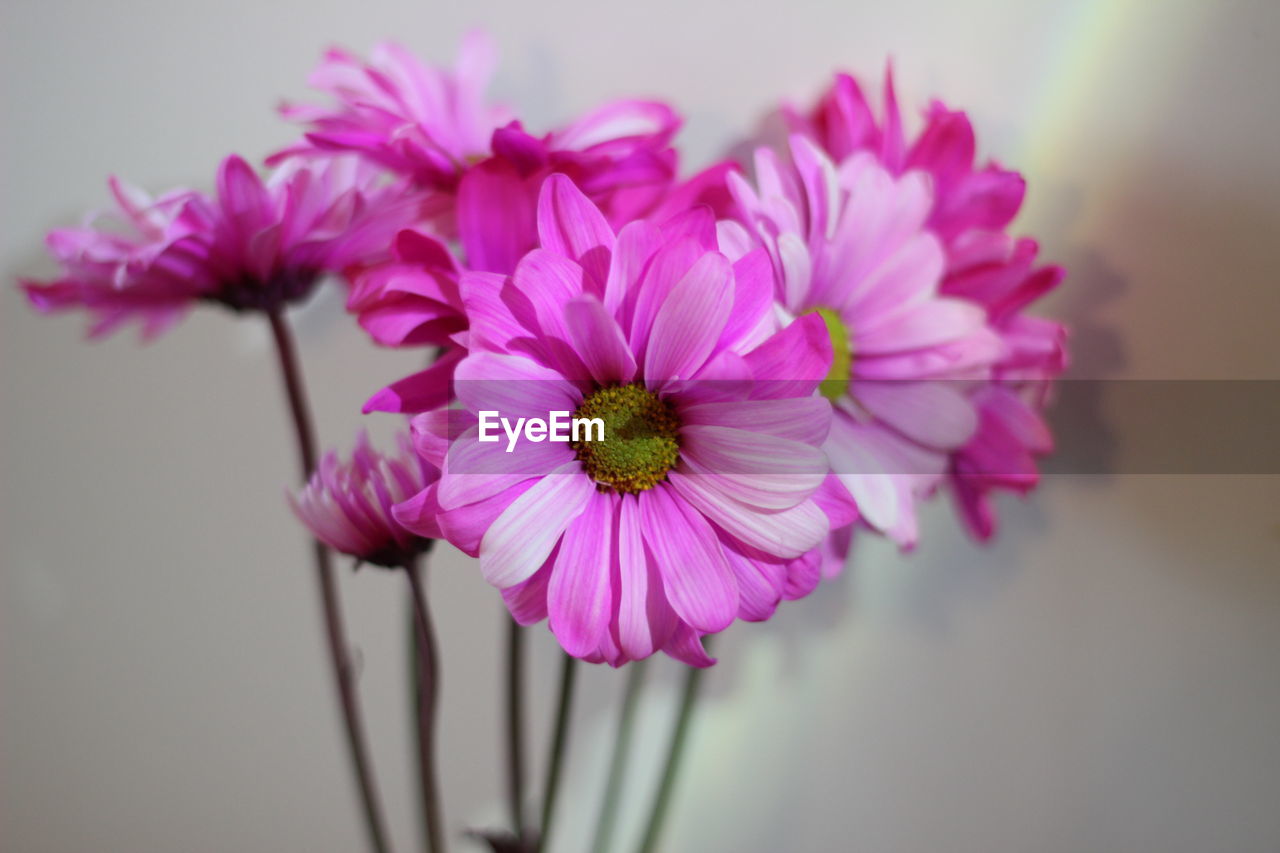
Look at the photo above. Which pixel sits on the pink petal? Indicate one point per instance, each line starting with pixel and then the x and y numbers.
pixel 465 527
pixel 474 470
pixel 420 514
pixel 686 646
pixel 688 325
pixel 698 582
pixel 579 598
pixel 513 386
pixel 619 120
pixel 600 342
pixel 569 224
pixel 757 469
pixel 640 304
pixel 645 619
pixel 425 390
pixel 930 323
pixel 760 585
pixel 522 537
pixel 935 414
pixel 527 601
pixel 785 533
pixel 807 419
pixel 792 362
pixel 496 216
pixel 637 242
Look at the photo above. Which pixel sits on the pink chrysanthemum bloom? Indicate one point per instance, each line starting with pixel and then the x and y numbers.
pixel 973 206
pixel 347 504
pixel 131 268
pixel 850 244
pixel 705 497
pixel 254 246
pixel 481 170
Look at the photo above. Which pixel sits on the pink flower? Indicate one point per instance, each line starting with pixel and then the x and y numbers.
pixel 997 271
pixel 347 505
pixel 972 208
pixel 133 270
pixel 427 124
pixel 254 246
pixel 479 169
pixel 850 243
pixel 702 502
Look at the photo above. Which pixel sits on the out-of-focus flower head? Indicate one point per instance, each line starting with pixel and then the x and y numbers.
pixel 254 245
pixel 479 169
pixel 850 244
pixel 973 206
pixel 347 504
pixel 704 498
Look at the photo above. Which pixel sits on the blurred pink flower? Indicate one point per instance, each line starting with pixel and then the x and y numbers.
pixel 997 272
pixel 140 268
pixel 347 505
pixel 701 504
pixel 850 243
pixel 254 246
pixel 972 208
pixel 479 169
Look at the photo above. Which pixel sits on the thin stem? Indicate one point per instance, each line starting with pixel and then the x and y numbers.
pixel 662 799
pixel 515 726
pixel 340 660
pixel 621 752
pixel 568 670
pixel 428 699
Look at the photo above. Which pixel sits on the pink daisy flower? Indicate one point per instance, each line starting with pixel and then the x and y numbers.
pixel 254 246
pixel 130 269
pixel 973 205
pixel 481 170
pixel 347 504
pixel 849 243
pixel 705 496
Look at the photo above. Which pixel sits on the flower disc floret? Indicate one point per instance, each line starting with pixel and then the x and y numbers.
pixel 641 442
pixel 837 381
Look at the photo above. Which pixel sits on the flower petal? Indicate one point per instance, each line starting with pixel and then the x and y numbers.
pixel 688 325
pixel 579 598
pixel 599 341
pixel 698 582
pixel 785 533
pixel 522 537
pixel 569 224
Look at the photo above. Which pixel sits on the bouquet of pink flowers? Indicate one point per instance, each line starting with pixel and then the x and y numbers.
pixel 653 404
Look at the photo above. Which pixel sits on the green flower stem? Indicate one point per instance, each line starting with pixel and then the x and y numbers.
pixel 621 753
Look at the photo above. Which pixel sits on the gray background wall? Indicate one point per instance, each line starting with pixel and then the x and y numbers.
pixel 1102 679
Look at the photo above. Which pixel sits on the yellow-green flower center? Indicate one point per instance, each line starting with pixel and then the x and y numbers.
pixel 640 438
pixel 836 385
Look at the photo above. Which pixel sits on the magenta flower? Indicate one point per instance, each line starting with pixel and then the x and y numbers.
pixel 850 244
pixel 997 272
pixel 480 170
pixel 347 505
pixel 705 496
pixel 255 246
pixel 133 270
pixel 972 207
